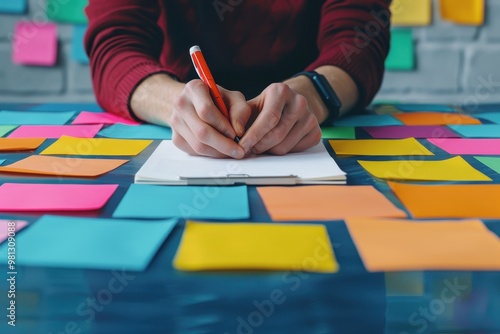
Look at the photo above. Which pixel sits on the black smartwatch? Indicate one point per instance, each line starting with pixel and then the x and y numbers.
pixel 327 94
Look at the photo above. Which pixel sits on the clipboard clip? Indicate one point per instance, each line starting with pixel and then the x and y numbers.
pixel 233 179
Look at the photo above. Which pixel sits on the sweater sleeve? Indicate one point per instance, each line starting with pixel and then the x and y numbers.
pixel 354 35
pixel 124 43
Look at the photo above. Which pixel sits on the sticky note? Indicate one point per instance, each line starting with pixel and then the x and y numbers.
pixel 153 201
pixel 92 243
pixel 449 201
pixel 4 129
pixel 96 146
pixel 424 106
pixel 2 161
pixel 453 169
pixel 402 54
pixel 435 118
pixel 35 117
pixel 493 117
pixel 35 43
pixel 411 12
pixel 10 227
pixel 78 52
pixel 88 117
pixel 54 197
pixel 415 131
pixel 478 131
pixel 255 246
pixel 491 162
pixel 13 6
pixel 144 131
pixel 20 144
pixel 405 245
pixel 56 166
pixel 409 146
pixel 56 131
pixel 326 203
pixel 367 120
pixel 466 146
pixel 467 12
pixel 67 11
pixel 339 132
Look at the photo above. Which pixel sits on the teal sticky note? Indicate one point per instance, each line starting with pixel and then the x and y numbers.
pixel 95 243
pixel 35 117
pixel 143 131
pixel 4 129
pixel 491 162
pixel 192 202
pixel 477 131
pixel 368 120
pixel 72 11
pixel 78 52
pixel 13 6
pixel 401 56
pixel 2 161
pixel 493 117
pixel 340 132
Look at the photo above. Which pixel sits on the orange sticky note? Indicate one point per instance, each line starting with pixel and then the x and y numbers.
pixel 326 203
pixel 449 201
pixel 468 12
pixel 46 165
pixel 400 245
pixel 407 146
pixel 435 118
pixel 20 144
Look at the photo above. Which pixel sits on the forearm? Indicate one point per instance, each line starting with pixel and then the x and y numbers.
pixel 153 100
pixel 343 85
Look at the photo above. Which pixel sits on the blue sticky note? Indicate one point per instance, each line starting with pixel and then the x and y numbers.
pixel 35 117
pixel 65 107
pixel 424 107
pixel 13 6
pixel 368 120
pixel 193 202
pixel 143 131
pixel 2 161
pixel 477 131
pixel 70 242
pixel 493 117
pixel 78 52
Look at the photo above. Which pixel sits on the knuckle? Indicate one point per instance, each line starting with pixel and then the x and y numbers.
pixel 301 102
pixel 202 133
pixel 279 150
pixel 180 103
pixel 193 85
pixel 204 111
pixel 279 88
pixel 199 148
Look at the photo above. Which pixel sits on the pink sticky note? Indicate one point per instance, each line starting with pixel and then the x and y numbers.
pixel 10 226
pixel 87 117
pixel 35 43
pixel 417 131
pixel 56 131
pixel 468 145
pixel 54 197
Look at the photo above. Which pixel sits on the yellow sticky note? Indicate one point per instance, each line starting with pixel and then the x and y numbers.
pixel 453 169
pixel 96 146
pixel 255 246
pixel 468 12
pixel 408 146
pixel 402 245
pixel 411 12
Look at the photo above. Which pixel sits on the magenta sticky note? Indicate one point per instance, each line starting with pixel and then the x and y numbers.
pixel 10 228
pixel 35 43
pixel 56 131
pixel 54 197
pixel 467 146
pixel 87 117
pixel 403 131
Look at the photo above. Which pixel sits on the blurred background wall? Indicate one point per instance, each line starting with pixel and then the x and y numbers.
pixel 442 51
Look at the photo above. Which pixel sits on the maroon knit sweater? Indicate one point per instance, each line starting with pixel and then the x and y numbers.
pixel 248 43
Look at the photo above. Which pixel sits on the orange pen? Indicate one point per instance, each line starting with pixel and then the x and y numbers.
pixel 205 75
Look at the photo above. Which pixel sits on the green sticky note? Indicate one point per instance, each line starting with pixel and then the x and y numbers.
pixel 491 162
pixel 401 55
pixel 70 11
pixel 4 129
pixel 143 131
pixel 340 132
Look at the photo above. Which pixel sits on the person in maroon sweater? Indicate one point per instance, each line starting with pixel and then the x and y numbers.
pixel 141 68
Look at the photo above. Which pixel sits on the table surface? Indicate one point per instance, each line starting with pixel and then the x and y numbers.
pixel 163 300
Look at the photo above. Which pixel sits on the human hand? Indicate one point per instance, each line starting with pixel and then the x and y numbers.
pixel 283 122
pixel 199 128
